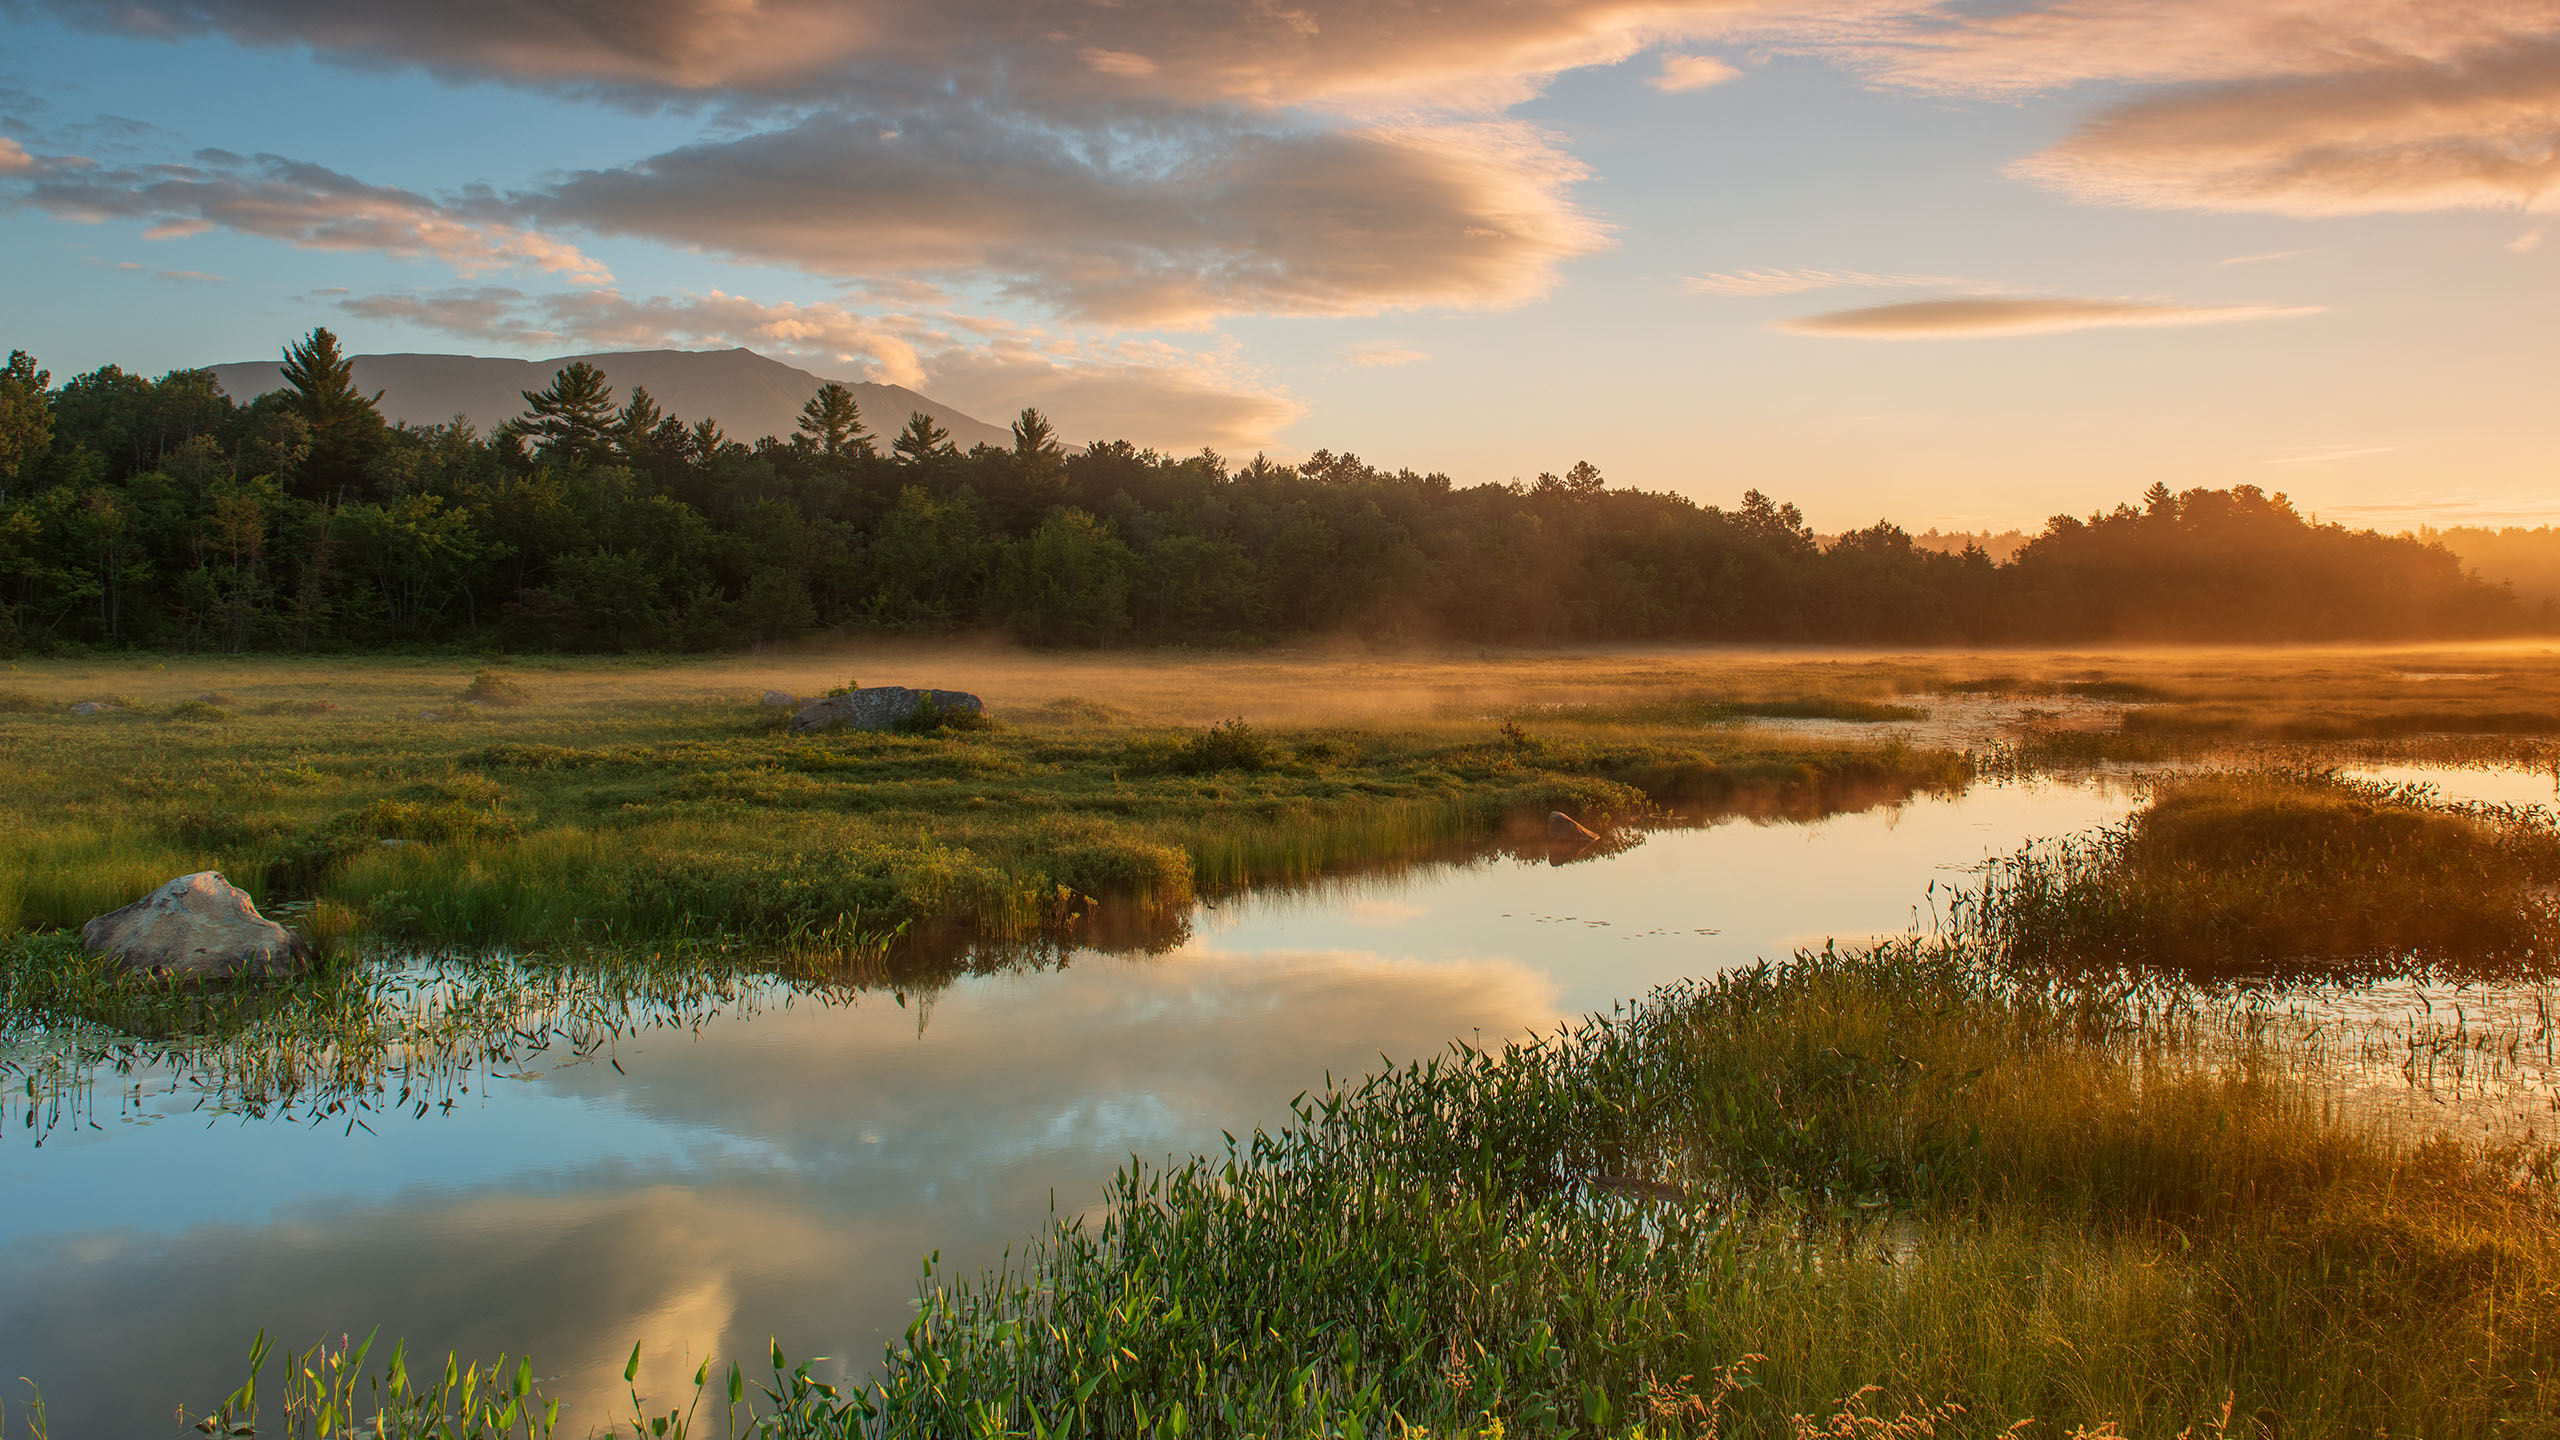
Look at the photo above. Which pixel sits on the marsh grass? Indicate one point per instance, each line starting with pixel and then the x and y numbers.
pixel 2275 875
pixel 1881 1193
pixel 605 811
pixel 369 1034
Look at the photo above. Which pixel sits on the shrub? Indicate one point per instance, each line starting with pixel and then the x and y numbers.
pixel 1227 745
pixel 489 687
pixel 199 710
pixel 19 702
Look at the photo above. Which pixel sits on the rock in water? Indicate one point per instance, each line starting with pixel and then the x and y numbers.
pixel 1561 826
pixel 877 707
pixel 198 926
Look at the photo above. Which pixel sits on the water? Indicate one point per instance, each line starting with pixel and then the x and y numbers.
pixel 783 1172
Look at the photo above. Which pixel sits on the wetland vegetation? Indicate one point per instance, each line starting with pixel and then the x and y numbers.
pixel 2077 1161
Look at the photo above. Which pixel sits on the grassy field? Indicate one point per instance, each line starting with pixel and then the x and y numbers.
pixel 617 802
pixel 620 803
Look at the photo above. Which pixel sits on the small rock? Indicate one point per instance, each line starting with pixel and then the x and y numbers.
pixel 92 707
pixel 878 707
pixel 1561 826
pixel 197 926
pixel 776 700
pixel 429 715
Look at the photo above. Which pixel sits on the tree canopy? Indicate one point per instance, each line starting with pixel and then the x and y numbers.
pixel 163 513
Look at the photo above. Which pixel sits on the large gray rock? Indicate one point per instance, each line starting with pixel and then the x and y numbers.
pixel 877 707
pixel 197 927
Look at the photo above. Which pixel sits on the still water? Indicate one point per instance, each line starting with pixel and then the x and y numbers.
pixel 782 1169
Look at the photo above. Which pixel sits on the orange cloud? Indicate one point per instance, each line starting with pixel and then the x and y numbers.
pixel 2480 134
pixel 1191 221
pixel 1691 72
pixel 1754 283
pixel 1975 317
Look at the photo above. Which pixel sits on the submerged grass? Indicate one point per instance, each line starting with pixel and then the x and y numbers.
pixel 366 1034
pixel 1889 1192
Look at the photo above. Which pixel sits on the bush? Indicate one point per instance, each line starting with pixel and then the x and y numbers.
pixel 489 687
pixel 19 702
pixel 1227 745
pixel 199 710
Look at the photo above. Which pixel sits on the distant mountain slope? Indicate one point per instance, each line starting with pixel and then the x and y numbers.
pixel 749 395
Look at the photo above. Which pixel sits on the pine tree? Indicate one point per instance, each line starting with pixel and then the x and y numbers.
pixel 571 419
pixel 833 419
pixel 922 440
pixel 1035 441
pixel 346 428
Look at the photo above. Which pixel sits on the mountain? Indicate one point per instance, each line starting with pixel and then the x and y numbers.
pixel 748 394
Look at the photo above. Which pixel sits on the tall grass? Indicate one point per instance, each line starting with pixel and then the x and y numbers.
pixel 1887 1188
pixel 2270 875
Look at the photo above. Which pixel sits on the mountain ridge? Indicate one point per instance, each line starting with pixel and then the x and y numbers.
pixel 751 395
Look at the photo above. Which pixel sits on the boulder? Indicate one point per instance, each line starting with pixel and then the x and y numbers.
pixel 91 707
pixel 1561 826
pixel 776 700
pixel 877 707
pixel 197 927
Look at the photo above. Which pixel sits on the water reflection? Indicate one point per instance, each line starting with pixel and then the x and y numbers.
pixel 777 1164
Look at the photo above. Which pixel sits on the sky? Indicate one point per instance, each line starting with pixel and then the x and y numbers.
pixel 1953 263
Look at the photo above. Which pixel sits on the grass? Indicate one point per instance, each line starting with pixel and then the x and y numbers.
pixel 586 803
pixel 1881 1193
pixel 2290 875
pixel 366 1032
pixel 2018 1178
pixel 1933 1187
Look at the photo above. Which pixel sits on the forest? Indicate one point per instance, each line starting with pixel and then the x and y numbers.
pixel 164 514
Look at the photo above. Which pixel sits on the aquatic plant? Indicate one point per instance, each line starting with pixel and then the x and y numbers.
pixel 2270 874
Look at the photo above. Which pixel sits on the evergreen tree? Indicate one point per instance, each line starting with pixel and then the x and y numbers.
pixel 833 419
pixel 571 419
pixel 346 428
pixel 922 440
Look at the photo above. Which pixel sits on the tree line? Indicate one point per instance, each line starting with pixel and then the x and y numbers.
pixel 141 513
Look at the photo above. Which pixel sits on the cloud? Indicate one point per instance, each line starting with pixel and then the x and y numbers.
pixel 1753 283
pixel 2529 241
pixel 303 205
pixel 1381 354
pixel 1478 56
pixel 194 277
pixel 14 159
pixel 2480 134
pixel 2299 107
pixel 2323 454
pixel 1982 316
pixel 1691 72
pixel 1169 220
pixel 1173 398
pixel 2263 257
